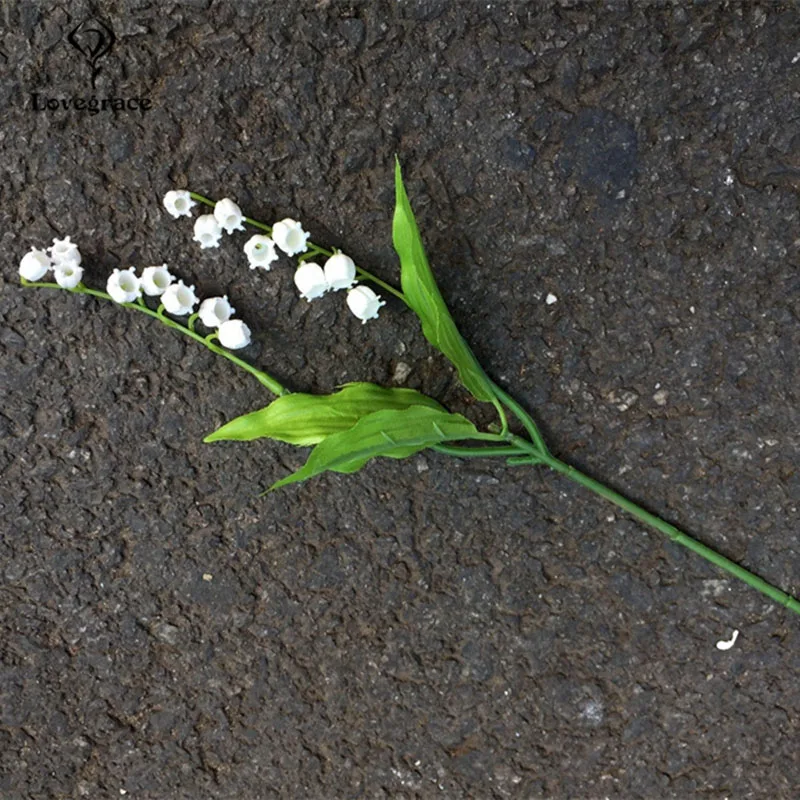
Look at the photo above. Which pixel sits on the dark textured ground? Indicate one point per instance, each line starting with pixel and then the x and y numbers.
pixel 425 628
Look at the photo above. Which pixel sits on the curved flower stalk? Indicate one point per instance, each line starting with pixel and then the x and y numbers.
pixel 361 421
pixel 125 288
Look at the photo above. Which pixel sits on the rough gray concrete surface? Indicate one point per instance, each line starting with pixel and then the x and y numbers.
pixel 428 628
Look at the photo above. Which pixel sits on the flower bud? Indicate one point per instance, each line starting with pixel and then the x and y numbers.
pixel 234 334
pixel 179 203
pixel 340 272
pixel 123 286
pixel 229 215
pixel 179 299
pixel 63 251
pixel 34 265
pixel 309 278
pixel 364 303
pixel 68 276
pixel 290 236
pixel 260 251
pixel 207 231
pixel 214 311
pixel 155 280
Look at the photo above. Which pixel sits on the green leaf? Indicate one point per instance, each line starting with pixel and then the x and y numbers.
pixel 425 299
pixel 392 433
pixel 307 419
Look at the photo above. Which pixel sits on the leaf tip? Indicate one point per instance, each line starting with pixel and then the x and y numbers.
pixel 398 177
pixel 278 485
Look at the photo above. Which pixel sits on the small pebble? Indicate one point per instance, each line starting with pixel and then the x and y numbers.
pixel 207 576
pixel 550 299
pixel 660 397
pixel 401 372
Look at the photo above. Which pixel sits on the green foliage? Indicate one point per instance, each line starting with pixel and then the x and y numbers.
pixel 425 299
pixel 392 433
pixel 307 419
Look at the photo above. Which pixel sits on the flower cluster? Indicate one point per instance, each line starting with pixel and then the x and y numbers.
pixel 311 279
pixel 178 299
pixel 63 257
pixel 125 286
pixel 338 272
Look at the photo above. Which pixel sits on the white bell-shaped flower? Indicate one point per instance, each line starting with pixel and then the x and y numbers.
pixel 179 203
pixel 234 334
pixel 179 299
pixel 340 271
pixel 155 280
pixel 364 303
pixel 310 280
pixel 290 236
pixel 215 310
pixel 260 251
pixel 229 215
pixel 34 265
pixel 123 286
pixel 68 276
pixel 63 251
pixel 207 231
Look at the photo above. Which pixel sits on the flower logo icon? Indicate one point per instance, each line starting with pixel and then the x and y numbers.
pixel 93 39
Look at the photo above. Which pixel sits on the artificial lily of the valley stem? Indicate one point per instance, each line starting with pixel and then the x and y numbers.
pixel 361 421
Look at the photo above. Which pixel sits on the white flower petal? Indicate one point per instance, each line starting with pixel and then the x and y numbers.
pixel 289 235
pixel 229 215
pixel 179 203
pixel 340 271
pixel 310 280
pixel 214 311
pixel 260 251
pixel 207 231
pixel 34 265
pixel 179 299
pixel 155 280
pixel 123 285
pixel 364 303
pixel 68 276
pixel 63 251
pixel 234 334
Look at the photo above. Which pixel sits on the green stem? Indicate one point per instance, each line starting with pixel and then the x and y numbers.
pixel 524 417
pixel 501 412
pixel 673 533
pixel 315 250
pixel 476 452
pixel 368 276
pixel 515 448
pixel 267 380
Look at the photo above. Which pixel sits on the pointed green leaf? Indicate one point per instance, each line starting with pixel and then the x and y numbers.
pixel 392 433
pixel 425 299
pixel 307 419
